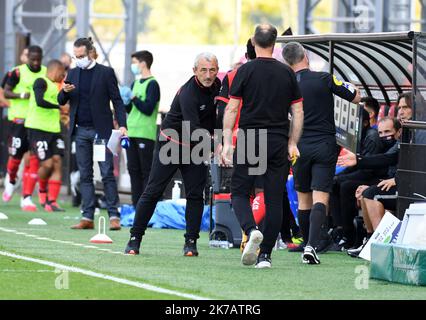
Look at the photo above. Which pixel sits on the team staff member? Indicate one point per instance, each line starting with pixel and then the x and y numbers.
pixel 266 105
pixel 314 171
pixel 376 198
pixel 18 87
pixel 343 207
pixel 89 88
pixel 44 130
pixel 142 122
pixel 195 104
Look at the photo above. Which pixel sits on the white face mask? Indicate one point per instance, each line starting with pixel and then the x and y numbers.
pixel 83 63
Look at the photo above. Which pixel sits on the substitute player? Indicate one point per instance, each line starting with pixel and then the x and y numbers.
pixel 44 130
pixel 18 87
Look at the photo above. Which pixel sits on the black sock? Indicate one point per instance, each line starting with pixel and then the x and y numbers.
pixel 303 217
pixel 318 217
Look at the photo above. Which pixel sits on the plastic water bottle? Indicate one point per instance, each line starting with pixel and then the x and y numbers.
pixel 219 244
pixel 176 190
pixel 125 142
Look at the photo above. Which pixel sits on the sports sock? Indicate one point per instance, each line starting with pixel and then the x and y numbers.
pixel 258 207
pixel 318 217
pixel 303 217
pixel 12 169
pixel 53 190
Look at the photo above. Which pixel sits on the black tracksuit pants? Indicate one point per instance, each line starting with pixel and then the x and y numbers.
pixel 274 180
pixel 194 179
pixel 139 161
pixel 343 206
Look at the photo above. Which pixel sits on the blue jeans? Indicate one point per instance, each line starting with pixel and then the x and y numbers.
pixel 84 146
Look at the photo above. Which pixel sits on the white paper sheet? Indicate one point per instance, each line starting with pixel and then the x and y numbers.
pixel 114 142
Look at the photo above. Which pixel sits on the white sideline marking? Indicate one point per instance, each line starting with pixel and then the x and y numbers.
pixel 103 276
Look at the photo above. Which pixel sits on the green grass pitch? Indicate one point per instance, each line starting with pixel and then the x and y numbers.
pixel 215 274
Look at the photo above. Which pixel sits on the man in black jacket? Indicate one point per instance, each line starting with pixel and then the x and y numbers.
pixel 343 206
pixel 193 110
pixel 89 88
pixel 375 199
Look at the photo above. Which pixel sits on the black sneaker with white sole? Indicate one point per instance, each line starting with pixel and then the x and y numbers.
pixel 133 246
pixel 354 252
pixel 249 255
pixel 310 256
pixel 263 261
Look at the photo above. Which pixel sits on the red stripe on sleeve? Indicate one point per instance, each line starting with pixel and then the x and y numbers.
pixel 297 101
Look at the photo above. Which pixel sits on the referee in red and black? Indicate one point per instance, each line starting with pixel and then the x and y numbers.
pixel 192 108
pixel 269 91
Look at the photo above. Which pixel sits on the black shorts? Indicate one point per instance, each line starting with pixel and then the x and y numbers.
pixel 315 169
pixel 18 140
pixel 387 198
pixel 45 145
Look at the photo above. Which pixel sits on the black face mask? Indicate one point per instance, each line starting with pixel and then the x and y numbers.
pixel 388 142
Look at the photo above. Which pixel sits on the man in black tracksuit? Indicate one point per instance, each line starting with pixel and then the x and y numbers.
pixel 268 90
pixel 194 104
pixel 314 171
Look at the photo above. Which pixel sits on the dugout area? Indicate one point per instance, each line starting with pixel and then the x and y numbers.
pixel 382 65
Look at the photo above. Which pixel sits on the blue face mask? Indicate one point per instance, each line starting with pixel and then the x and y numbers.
pixel 135 69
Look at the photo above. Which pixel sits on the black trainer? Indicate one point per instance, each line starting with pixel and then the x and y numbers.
pixel 310 256
pixel 190 248
pixel 354 252
pixel 263 261
pixel 133 246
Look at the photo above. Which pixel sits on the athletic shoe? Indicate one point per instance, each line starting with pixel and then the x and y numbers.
pixel 324 245
pixel 133 246
pixel 263 261
pixel 28 205
pixel 299 248
pixel 280 244
pixel 291 245
pixel 190 248
pixel 42 198
pixel 53 206
pixel 9 188
pixel 249 255
pixel 243 241
pixel 354 252
pixel 309 256
pixel 297 240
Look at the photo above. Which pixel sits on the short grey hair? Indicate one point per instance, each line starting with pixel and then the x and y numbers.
pixel 293 53
pixel 207 56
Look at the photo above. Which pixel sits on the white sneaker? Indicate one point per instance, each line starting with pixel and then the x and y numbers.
pixel 27 204
pixel 310 256
pixel 249 255
pixel 8 190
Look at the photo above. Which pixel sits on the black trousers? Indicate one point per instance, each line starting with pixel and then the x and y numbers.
pixel 139 161
pixel 274 183
pixel 194 179
pixel 343 205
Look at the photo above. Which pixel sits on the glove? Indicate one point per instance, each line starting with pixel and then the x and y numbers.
pixel 126 94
